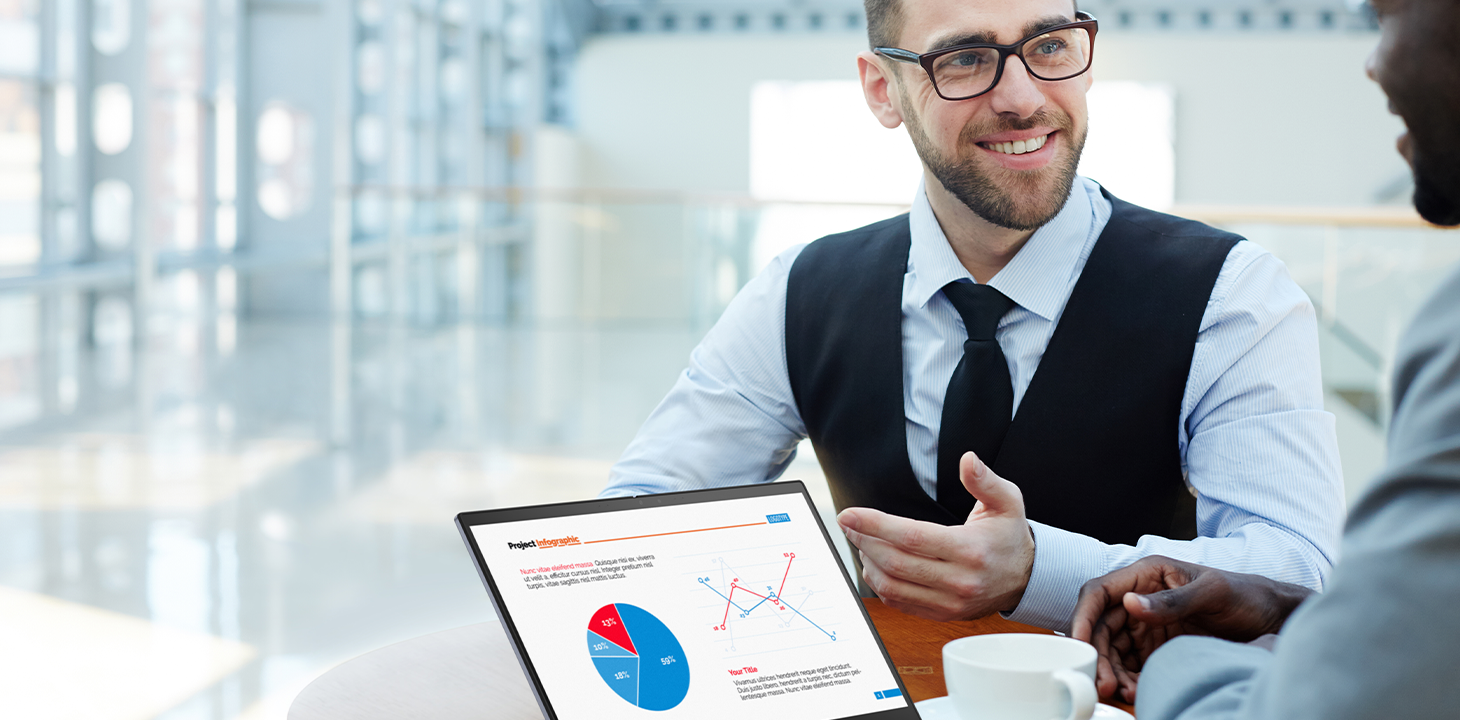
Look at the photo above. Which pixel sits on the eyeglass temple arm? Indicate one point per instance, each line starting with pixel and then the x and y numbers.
pixel 897 54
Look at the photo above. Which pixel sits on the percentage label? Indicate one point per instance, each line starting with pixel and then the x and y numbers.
pixel 622 675
pixel 610 622
pixel 600 646
pixel 667 660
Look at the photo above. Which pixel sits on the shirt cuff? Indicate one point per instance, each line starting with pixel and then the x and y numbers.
pixel 1063 561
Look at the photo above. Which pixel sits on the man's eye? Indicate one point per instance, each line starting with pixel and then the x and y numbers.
pixel 966 60
pixel 1050 46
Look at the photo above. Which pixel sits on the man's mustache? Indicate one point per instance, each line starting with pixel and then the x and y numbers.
pixel 1042 118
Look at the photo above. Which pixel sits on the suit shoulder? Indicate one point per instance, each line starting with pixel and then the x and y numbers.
pixel 1428 357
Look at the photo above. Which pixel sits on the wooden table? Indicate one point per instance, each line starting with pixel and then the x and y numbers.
pixel 916 646
pixel 471 672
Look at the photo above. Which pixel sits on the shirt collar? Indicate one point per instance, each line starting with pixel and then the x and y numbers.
pixel 1053 252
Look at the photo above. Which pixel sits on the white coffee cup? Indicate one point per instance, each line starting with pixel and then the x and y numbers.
pixel 1020 676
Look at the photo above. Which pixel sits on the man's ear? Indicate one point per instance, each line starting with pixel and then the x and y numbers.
pixel 877 89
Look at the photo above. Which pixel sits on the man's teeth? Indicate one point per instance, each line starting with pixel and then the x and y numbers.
pixel 1019 147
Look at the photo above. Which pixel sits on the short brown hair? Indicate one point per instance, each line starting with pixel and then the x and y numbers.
pixel 884 21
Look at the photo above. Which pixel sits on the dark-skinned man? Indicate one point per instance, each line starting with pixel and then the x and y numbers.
pixel 1383 639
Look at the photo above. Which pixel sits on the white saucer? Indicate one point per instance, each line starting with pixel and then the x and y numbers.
pixel 942 708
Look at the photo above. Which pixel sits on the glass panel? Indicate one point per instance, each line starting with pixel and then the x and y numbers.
pixel 286 160
pixel 20 398
pixel 20 174
pixel 371 12
pixel 65 39
pixel 19 37
pixel 112 118
pixel 111 25
pixel 226 184
pixel 174 123
pixel 111 333
pixel 370 139
pixel 111 215
pixel 370 67
pixel 66 119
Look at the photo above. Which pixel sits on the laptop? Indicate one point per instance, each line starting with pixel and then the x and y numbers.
pixel 713 604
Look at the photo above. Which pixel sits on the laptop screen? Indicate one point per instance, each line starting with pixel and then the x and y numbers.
pixel 724 603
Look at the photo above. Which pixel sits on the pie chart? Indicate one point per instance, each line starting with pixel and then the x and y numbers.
pixel 638 656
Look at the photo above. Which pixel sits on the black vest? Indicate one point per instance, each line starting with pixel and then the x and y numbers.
pixel 1093 445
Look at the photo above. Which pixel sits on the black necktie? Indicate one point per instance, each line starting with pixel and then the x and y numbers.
pixel 980 398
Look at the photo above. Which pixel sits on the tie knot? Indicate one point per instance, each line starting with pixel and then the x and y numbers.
pixel 980 305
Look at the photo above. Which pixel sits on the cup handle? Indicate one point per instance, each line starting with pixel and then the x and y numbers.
pixel 1082 693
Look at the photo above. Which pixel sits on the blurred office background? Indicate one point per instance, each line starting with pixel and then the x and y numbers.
pixel 285 284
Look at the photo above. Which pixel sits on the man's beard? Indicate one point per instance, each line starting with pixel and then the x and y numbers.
pixel 1436 189
pixel 1019 203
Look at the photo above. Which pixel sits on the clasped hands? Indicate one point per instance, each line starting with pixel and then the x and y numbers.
pixel 1129 613
pixel 949 573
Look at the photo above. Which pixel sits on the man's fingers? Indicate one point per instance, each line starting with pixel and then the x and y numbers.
pixel 1106 591
pixel 1107 635
pixel 908 597
pixel 895 562
pixel 997 495
pixel 914 536
pixel 1105 680
pixel 1094 599
pixel 1128 681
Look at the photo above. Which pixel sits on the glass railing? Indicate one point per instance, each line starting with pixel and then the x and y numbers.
pixel 562 263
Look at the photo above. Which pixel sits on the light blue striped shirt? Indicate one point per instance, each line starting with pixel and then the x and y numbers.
pixel 1255 442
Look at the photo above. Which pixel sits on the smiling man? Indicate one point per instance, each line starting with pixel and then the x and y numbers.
pixel 1024 382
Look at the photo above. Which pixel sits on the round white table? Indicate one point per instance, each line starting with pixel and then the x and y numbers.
pixel 468 673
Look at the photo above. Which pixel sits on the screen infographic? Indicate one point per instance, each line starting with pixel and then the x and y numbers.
pixel 730 609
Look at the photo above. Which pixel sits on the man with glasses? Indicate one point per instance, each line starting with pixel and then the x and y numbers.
pixel 1138 379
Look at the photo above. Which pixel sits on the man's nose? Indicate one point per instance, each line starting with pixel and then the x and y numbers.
pixel 1018 92
pixel 1371 65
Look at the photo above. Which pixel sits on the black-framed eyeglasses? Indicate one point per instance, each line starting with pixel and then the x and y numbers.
pixel 967 71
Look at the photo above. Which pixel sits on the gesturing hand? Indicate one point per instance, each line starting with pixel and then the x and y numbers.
pixel 1128 613
pixel 949 573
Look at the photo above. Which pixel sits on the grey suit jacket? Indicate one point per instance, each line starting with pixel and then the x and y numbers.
pixel 1383 640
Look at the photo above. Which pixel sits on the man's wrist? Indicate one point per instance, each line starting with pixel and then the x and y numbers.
pixel 1018 595
pixel 1289 597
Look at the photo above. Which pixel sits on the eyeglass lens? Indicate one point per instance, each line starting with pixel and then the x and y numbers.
pixel 1052 56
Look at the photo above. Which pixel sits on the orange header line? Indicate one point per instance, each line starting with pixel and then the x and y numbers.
pixel 677 532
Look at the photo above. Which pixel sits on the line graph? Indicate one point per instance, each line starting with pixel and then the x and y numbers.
pixel 772 605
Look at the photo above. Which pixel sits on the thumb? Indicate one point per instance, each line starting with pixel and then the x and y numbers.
pixel 997 495
pixel 1164 607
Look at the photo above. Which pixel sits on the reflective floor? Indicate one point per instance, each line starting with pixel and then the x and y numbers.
pixel 200 528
